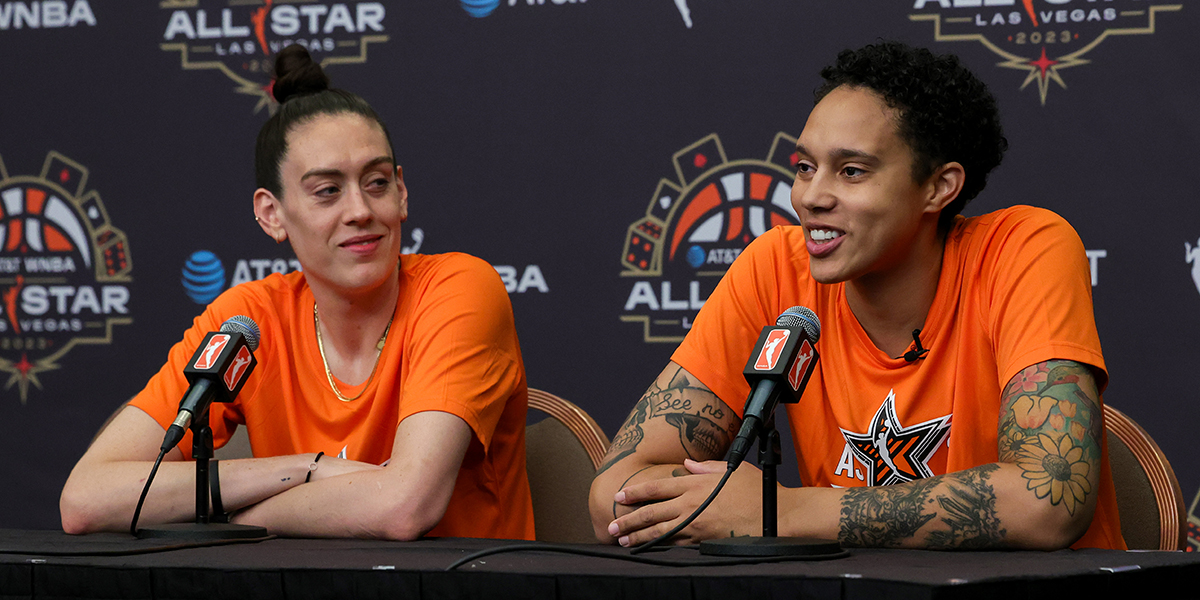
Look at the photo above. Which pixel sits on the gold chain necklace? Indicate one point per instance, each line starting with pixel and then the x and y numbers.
pixel 324 361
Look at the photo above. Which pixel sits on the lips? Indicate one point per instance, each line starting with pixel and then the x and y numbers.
pixel 362 244
pixel 823 240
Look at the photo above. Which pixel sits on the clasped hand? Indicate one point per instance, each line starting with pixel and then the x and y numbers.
pixel 650 508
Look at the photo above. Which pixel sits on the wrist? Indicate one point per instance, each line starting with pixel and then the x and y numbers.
pixel 312 467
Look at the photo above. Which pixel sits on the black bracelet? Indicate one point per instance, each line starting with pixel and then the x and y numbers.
pixel 313 467
pixel 214 486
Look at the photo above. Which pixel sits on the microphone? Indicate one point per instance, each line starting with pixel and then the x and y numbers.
pixel 917 352
pixel 783 354
pixel 216 372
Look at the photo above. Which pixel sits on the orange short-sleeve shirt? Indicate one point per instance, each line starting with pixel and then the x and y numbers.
pixel 452 348
pixel 1014 290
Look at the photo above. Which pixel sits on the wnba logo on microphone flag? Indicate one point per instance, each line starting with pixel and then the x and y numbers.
pixel 208 355
pixel 64 270
pixel 233 376
pixel 771 349
pixel 696 225
pixel 802 369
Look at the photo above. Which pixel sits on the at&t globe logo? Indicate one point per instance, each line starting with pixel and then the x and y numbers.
pixel 203 277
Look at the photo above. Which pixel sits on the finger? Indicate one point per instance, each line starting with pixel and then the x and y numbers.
pixel 655 490
pixel 707 467
pixel 646 517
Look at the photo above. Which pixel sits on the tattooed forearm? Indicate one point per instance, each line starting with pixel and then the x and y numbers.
pixel 969 512
pixel 884 516
pixel 630 434
pixel 698 415
pixel 963 503
pixel 1051 428
pixel 705 425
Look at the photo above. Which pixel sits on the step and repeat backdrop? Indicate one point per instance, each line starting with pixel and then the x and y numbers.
pixel 610 158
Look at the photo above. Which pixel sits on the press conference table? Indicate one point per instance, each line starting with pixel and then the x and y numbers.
pixel 304 568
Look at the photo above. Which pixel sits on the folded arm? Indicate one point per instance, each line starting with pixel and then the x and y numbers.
pixel 344 498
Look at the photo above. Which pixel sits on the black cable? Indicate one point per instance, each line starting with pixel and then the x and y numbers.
pixel 137 512
pixel 688 521
pixel 582 551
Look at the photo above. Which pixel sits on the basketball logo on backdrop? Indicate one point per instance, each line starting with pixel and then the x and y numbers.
pixel 240 38
pixel 694 228
pixel 1040 37
pixel 64 270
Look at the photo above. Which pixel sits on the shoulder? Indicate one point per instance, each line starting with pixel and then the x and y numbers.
pixel 448 266
pixel 1014 222
pixel 267 294
pixel 453 281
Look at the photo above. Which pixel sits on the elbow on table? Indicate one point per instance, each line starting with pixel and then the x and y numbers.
pixel 77 513
pixel 1052 527
pixel 406 523
pixel 600 508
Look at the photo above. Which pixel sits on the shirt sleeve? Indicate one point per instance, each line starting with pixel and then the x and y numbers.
pixel 463 355
pixel 1040 295
pixel 724 333
pixel 162 394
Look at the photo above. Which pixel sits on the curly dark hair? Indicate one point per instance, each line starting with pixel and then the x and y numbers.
pixel 945 112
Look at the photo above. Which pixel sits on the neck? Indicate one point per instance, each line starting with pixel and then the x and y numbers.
pixel 351 327
pixel 890 305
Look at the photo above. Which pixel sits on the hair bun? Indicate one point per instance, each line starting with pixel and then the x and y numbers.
pixel 296 74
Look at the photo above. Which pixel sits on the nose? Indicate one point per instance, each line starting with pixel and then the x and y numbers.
pixel 357 207
pixel 813 194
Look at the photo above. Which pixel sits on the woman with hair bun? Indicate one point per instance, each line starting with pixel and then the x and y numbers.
pixel 389 399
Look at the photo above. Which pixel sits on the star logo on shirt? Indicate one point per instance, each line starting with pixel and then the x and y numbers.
pixel 894 453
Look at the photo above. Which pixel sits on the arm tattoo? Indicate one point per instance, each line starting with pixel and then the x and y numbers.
pixel 887 516
pixel 630 434
pixel 884 516
pixel 969 510
pixel 706 426
pixel 1051 428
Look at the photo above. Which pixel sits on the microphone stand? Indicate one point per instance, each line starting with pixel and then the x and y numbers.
pixel 769 457
pixel 202 528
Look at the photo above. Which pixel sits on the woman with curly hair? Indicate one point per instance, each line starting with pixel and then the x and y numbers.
pixel 956 403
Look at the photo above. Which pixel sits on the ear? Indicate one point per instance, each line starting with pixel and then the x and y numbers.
pixel 403 193
pixel 944 186
pixel 267 212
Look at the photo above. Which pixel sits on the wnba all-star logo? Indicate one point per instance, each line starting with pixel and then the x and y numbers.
pixel 64 270
pixel 696 225
pixel 1040 37
pixel 240 38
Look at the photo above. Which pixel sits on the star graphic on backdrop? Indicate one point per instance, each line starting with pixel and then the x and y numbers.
pixel 892 452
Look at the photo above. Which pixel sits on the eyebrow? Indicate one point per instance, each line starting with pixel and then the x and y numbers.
pixel 337 172
pixel 843 153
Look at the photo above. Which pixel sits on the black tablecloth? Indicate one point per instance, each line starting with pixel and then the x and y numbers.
pixel 32 565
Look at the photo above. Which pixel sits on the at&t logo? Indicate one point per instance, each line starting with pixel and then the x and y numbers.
pixel 694 228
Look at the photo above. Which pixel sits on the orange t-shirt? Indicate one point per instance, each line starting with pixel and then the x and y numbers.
pixel 452 348
pixel 1014 290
